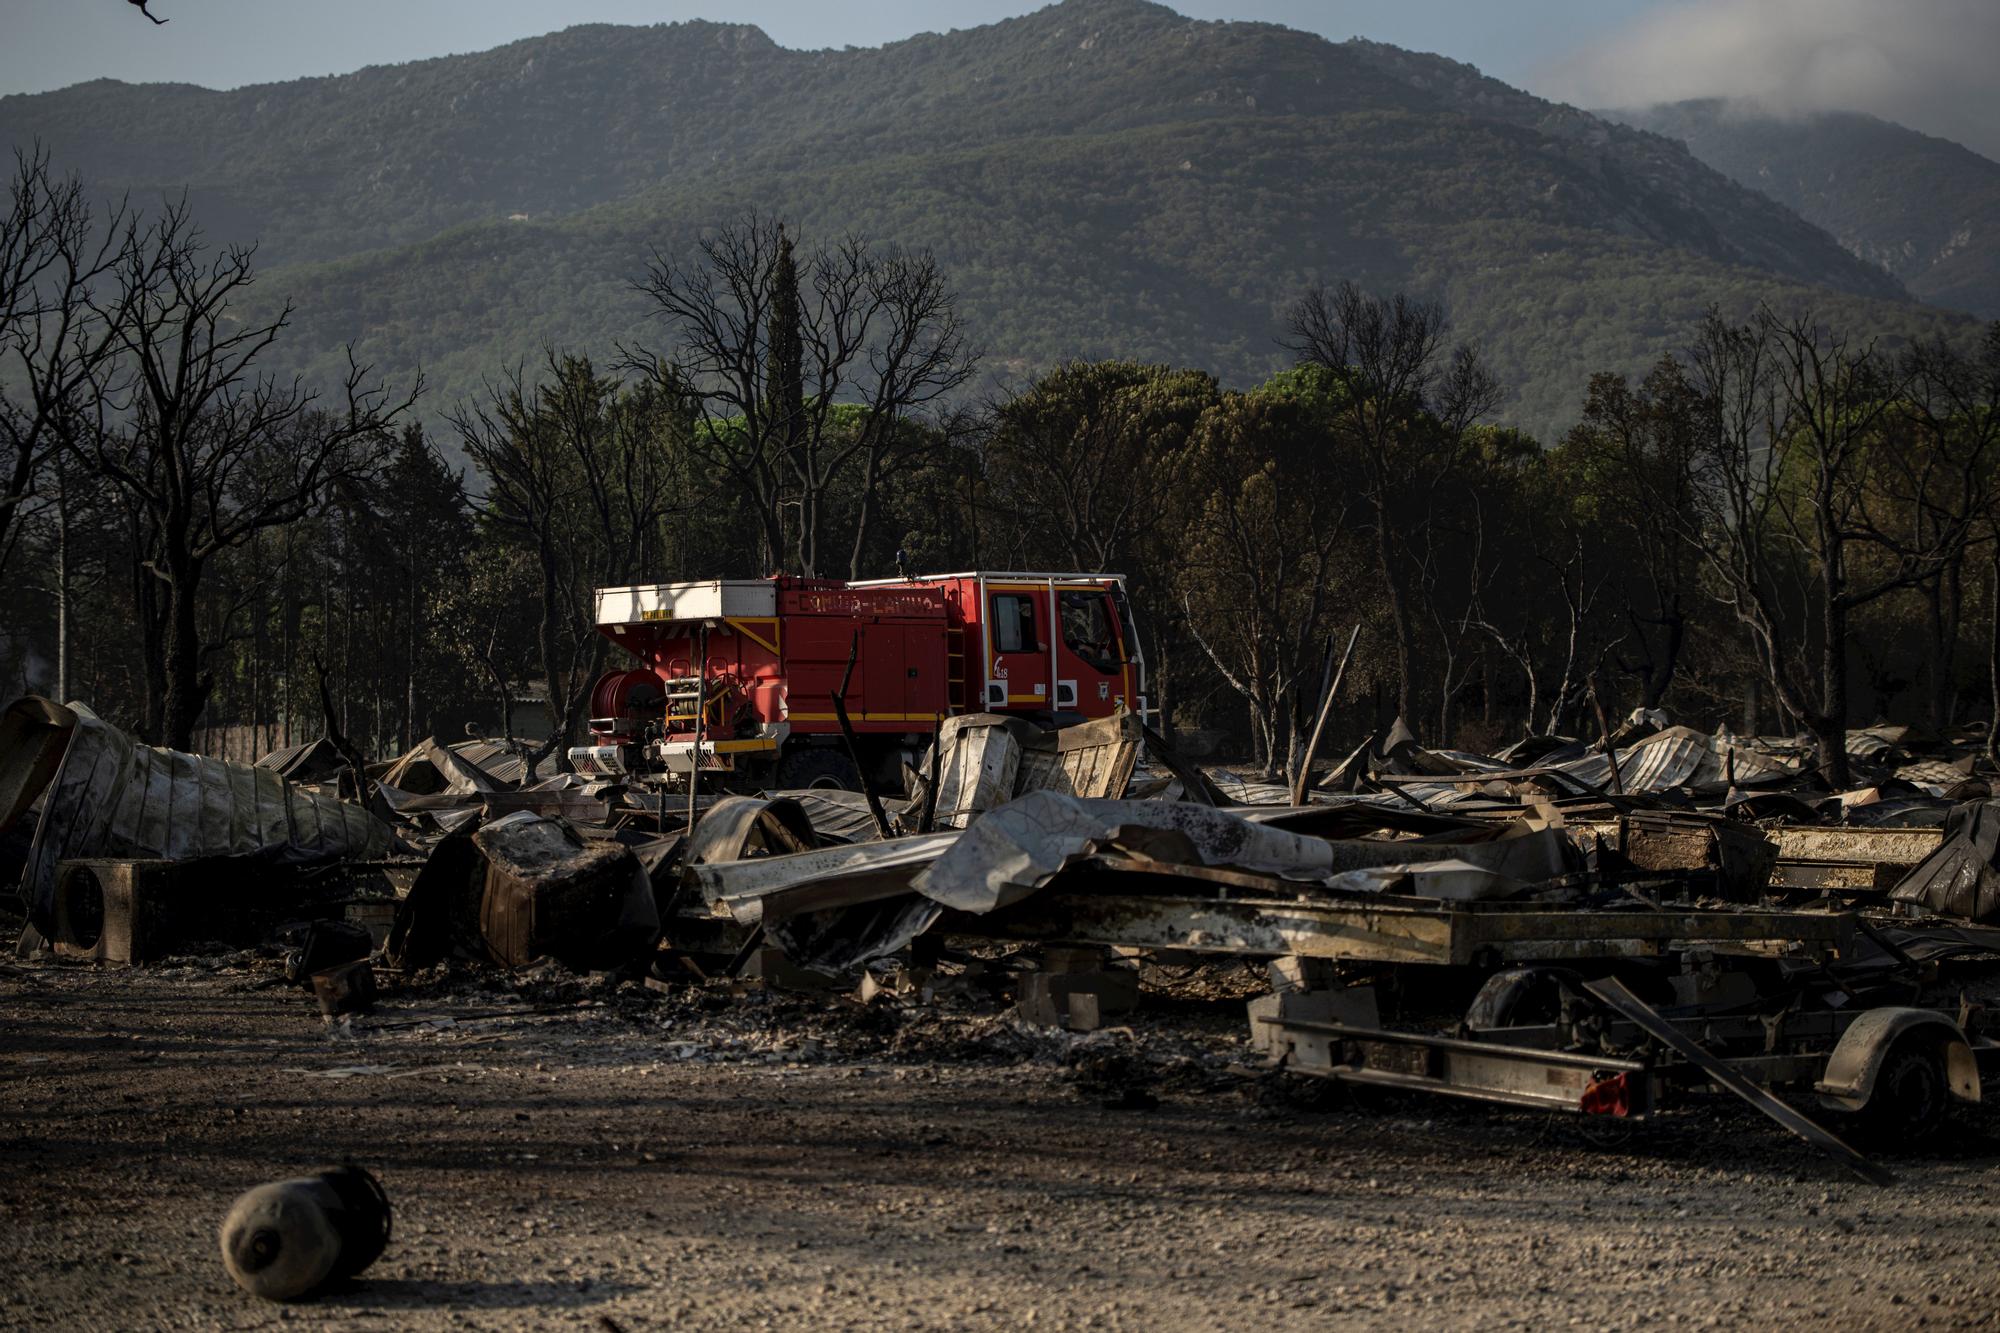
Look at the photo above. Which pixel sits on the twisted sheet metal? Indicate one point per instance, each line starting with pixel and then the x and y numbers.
pixel 115 798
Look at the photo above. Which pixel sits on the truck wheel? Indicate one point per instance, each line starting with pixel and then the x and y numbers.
pixel 817 766
pixel 1909 1099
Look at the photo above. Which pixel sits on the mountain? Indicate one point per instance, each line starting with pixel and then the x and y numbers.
pixel 1926 209
pixel 1102 177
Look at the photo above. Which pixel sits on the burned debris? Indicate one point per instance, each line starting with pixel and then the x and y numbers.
pixel 1628 925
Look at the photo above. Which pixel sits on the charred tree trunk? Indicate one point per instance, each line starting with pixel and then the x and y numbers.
pixel 548 639
pixel 1659 676
pixel 187 686
pixel 1993 651
pixel 410 668
pixel 1399 616
pixel 63 593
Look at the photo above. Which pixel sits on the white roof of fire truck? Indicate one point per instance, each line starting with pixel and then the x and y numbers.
pixel 739 599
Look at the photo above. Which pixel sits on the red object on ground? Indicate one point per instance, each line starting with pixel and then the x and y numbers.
pixel 1607 1096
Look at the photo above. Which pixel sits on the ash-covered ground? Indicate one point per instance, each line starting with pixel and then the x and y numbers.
pixel 714 1155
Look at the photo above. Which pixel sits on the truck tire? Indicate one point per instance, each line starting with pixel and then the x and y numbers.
pixel 1910 1097
pixel 817 766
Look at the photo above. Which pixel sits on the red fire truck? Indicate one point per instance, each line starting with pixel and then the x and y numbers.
pixel 1052 648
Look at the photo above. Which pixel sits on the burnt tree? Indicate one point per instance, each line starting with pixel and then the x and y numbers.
pixel 1406 401
pixel 768 341
pixel 55 335
pixel 213 450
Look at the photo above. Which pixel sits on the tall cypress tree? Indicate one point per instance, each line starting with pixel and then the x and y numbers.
pixel 784 357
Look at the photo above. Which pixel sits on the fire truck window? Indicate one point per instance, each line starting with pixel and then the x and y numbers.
pixel 1014 624
pixel 1086 623
pixel 1016 619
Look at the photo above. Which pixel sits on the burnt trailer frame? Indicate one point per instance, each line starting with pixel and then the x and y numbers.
pixel 1646 1062
pixel 1487 1065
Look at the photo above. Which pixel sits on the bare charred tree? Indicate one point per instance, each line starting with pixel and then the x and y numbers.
pixel 1790 528
pixel 1535 596
pixel 1407 402
pixel 1264 504
pixel 55 337
pixel 526 487
pixel 582 472
pixel 917 357
pixel 718 311
pixel 81 525
pixel 1938 486
pixel 881 332
pixel 1635 450
pixel 214 449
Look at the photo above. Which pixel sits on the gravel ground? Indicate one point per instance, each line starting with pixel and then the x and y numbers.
pixel 705 1158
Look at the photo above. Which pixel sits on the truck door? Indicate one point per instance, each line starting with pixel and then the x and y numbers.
pixel 884 686
pixel 903 673
pixel 1018 642
pixel 1090 658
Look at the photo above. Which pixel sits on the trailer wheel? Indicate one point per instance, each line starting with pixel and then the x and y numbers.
pixel 818 766
pixel 1519 997
pixel 1910 1096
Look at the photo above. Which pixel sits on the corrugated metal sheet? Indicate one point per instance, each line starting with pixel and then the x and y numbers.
pixel 980 764
pixel 1092 759
pixel 309 761
pixel 1679 757
pixel 465 769
pixel 1960 877
pixel 1933 773
pixel 115 798
pixel 1474 763
pixel 1249 790
pixel 496 761
pixel 842 816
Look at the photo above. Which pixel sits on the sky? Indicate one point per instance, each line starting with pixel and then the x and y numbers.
pixel 1925 63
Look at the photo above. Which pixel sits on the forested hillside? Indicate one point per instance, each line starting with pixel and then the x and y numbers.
pixel 1103 177
pixel 1925 209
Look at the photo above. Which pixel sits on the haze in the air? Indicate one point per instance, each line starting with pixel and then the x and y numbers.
pixel 1927 64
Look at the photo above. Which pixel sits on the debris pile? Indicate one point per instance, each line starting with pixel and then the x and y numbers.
pixel 1659 911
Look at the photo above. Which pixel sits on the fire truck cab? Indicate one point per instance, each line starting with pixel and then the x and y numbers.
pixel 736 677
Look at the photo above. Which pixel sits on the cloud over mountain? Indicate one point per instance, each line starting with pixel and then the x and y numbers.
pixel 1923 63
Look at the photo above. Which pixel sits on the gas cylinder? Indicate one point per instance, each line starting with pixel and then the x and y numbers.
pixel 288 1239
